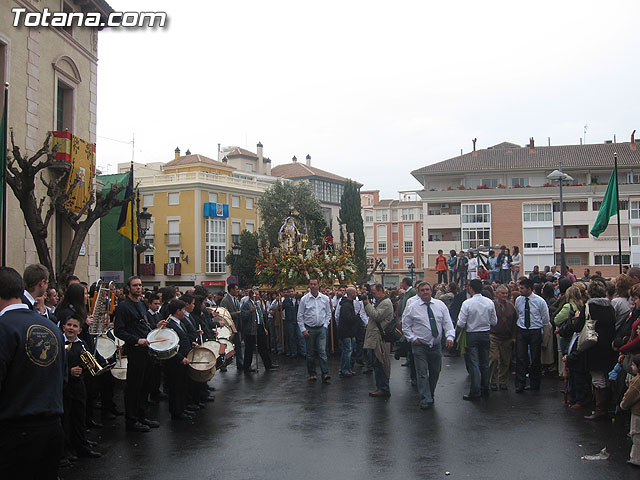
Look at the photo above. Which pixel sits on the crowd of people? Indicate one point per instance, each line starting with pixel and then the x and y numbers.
pixel 586 331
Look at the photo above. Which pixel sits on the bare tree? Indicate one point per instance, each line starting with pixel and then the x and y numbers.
pixel 22 173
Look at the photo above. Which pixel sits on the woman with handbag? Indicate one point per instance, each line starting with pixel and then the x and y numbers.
pixel 600 357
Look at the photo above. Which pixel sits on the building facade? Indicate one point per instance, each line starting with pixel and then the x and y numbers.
pixel 52 74
pixel 393 233
pixel 199 206
pixel 501 196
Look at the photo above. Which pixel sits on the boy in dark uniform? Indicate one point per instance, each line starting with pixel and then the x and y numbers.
pixel 75 393
pixel 32 372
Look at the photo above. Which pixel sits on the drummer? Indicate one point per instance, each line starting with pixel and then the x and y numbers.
pixel 131 325
pixel 176 366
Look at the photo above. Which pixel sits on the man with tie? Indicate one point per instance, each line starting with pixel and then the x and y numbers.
pixel 255 333
pixel 231 303
pixel 294 344
pixel 424 322
pixel 533 315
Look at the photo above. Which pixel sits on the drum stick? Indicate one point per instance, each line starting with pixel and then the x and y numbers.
pixel 199 362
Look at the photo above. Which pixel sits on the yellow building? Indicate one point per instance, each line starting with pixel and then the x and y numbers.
pixel 52 73
pixel 199 207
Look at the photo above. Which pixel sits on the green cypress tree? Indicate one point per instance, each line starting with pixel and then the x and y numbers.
pixel 351 216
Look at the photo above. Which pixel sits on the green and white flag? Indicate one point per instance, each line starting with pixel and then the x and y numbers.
pixel 609 206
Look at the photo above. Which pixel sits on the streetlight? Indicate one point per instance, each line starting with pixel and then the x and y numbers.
pixel 235 249
pixel 411 270
pixel 561 177
pixel 144 224
pixel 382 266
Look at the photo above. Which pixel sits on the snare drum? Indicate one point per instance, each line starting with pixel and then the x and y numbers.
pixel 224 333
pixel 163 343
pixel 203 364
pixel 229 348
pixel 106 348
pixel 215 347
pixel 119 370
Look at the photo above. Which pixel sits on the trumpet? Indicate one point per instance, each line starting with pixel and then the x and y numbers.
pixel 90 363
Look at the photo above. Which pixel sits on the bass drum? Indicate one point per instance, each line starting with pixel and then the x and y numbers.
pixel 106 348
pixel 202 366
pixel 163 343
pixel 229 351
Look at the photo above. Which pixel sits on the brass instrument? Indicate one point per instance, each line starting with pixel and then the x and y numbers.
pixel 90 363
pixel 102 307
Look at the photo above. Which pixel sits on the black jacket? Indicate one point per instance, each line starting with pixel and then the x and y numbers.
pixel 131 322
pixel 186 340
pixel 348 321
pixel 601 357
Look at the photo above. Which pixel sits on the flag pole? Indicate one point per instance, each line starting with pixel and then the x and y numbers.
pixel 5 146
pixel 133 258
pixel 615 169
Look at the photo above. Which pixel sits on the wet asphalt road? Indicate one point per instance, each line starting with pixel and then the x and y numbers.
pixel 277 425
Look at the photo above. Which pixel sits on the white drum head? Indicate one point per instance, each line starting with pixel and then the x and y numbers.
pixel 162 339
pixel 224 332
pixel 213 346
pixel 105 347
pixel 202 359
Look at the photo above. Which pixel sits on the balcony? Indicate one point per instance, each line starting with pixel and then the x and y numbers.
pixel 172 239
pixel 147 269
pixel 172 269
pixel 438 222
pixel 240 184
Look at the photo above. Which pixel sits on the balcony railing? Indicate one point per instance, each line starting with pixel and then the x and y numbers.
pixel 172 239
pixel 147 269
pixel 171 269
pixel 203 177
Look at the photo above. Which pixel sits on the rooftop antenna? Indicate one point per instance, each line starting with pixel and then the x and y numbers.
pixel 585 134
pixel 549 140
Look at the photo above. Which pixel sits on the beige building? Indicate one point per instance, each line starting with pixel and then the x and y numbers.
pixel 501 196
pixel 52 73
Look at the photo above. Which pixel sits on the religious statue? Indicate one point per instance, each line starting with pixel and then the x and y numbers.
pixel 288 237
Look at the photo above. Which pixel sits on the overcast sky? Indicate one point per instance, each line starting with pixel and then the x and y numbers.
pixel 371 90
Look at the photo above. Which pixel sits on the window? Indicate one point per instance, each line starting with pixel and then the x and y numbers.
pixel 394 215
pixel 635 236
pixel 368 232
pixel 213 198
pixel 485 182
pixel 235 232
pixel 235 201
pixel 215 245
pixel 382 215
pixel 368 216
pixel 612 259
pixel 407 232
pixel 249 203
pixel 147 200
pixel 64 107
pixel 396 261
pixel 394 228
pixel 475 237
pixel 435 211
pixel 435 237
pixel 174 198
pixel 407 262
pixel 537 237
pixel 66 8
pixel 476 213
pixel 335 198
pixel 249 167
pixel 455 235
pixel 407 214
pixel 633 178
pixel 396 245
pixel 250 227
pixel 635 210
pixel 382 247
pixel 573 260
pixel 370 261
pixel 537 212
pixel 369 247
pixel 622 205
pixel 174 256
pixel 519 181
pixel 408 246
pixel 382 238
pixel 455 210
pixel 149 257
pixel 490 182
pixel 173 237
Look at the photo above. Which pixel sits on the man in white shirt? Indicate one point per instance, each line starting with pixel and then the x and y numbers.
pixel 314 315
pixel 424 321
pixel 477 315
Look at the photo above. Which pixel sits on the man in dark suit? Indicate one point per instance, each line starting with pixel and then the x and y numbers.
pixel 176 367
pixel 231 303
pixel 255 333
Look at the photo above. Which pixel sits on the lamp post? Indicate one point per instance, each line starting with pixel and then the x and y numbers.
pixel 236 251
pixel 144 223
pixel 382 267
pixel 561 177
pixel 412 267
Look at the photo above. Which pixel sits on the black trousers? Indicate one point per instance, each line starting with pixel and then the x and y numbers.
pixel 528 340
pixel 75 398
pixel 177 384
pixel 155 377
pixel 31 450
pixel 249 348
pixel 136 391
pixel 442 276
